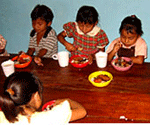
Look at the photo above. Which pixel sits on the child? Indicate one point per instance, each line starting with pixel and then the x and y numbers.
pixel 22 98
pixel 129 44
pixel 43 39
pixel 88 37
pixel 3 51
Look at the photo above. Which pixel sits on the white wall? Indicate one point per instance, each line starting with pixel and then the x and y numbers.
pixel 15 21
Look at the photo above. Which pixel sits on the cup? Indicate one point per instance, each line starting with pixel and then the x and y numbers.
pixel 8 67
pixel 101 59
pixel 62 57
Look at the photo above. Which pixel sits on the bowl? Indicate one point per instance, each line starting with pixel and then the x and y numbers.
pixel 81 63
pixel 94 75
pixel 47 104
pixel 122 67
pixel 22 57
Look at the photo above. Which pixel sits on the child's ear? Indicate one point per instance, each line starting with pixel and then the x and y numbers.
pixel 49 23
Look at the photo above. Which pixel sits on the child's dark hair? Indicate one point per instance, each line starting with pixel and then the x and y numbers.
pixel 43 12
pixel 18 90
pixel 131 23
pixel 87 14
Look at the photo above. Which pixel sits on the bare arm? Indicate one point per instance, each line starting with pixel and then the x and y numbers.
pixel 138 59
pixel 116 47
pixel 78 111
pixel 61 37
pixel 30 51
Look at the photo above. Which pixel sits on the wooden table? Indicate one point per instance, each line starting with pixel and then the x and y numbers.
pixel 127 95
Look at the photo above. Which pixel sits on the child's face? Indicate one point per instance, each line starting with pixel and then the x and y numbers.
pixel 39 25
pixel 85 28
pixel 128 38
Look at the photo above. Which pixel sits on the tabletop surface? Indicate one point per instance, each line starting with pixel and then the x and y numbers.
pixel 127 94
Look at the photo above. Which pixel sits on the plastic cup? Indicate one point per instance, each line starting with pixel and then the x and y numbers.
pixel 101 59
pixel 8 67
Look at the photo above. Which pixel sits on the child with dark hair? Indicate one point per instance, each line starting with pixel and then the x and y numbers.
pixel 88 37
pixel 129 44
pixel 43 39
pixel 22 98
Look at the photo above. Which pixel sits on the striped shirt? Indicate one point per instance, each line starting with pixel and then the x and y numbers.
pixel 88 43
pixel 48 42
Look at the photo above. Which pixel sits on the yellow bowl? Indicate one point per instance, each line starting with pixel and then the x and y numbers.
pixel 95 74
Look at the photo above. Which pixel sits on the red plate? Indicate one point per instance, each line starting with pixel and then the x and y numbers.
pixel 24 64
pixel 78 65
pixel 47 104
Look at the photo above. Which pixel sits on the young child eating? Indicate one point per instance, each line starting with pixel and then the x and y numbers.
pixel 88 37
pixel 43 39
pixel 129 44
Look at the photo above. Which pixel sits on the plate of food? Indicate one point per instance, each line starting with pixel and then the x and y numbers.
pixel 47 106
pixel 100 78
pixel 122 63
pixel 22 61
pixel 79 61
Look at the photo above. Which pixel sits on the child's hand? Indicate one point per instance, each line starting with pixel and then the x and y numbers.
pixel 21 53
pixel 117 46
pixel 70 47
pixel 38 61
pixel 90 58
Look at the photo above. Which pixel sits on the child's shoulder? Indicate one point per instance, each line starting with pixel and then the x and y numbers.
pixel 70 24
pixel 140 41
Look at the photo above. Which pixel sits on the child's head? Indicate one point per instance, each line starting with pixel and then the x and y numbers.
pixel 42 12
pixel 130 30
pixel 42 17
pixel 20 88
pixel 87 16
pixel 130 24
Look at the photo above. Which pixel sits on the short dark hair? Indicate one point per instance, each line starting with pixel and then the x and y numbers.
pixel 43 12
pixel 87 14
pixel 131 22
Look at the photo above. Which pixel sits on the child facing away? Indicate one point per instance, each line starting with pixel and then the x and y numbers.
pixel 88 37
pixel 3 51
pixel 43 39
pixel 22 98
pixel 129 44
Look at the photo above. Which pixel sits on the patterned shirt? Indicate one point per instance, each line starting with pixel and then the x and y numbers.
pixel 2 46
pixel 48 42
pixel 140 47
pixel 88 43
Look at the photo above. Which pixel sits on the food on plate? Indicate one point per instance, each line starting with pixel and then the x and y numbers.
pixel 79 60
pixel 22 60
pixel 121 62
pixel 101 78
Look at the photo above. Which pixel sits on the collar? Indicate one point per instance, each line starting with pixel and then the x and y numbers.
pixel 93 32
pixel 46 33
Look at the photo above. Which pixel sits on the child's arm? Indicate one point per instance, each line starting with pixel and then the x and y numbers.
pixel 61 37
pixel 78 111
pixel 30 51
pixel 138 59
pixel 37 58
pixel 113 52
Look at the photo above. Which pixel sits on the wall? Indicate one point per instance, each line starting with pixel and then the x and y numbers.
pixel 15 21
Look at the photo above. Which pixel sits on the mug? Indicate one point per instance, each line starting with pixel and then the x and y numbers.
pixel 101 59
pixel 62 57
